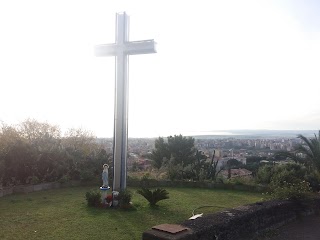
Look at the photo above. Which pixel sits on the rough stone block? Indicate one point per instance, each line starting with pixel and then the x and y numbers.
pixel 28 189
pixel 46 186
pixel 37 187
pixel 56 185
pixel 7 191
pixel 23 189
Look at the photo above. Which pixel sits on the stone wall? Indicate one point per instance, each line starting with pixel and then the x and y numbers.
pixel 131 183
pixel 38 187
pixel 167 183
pixel 244 222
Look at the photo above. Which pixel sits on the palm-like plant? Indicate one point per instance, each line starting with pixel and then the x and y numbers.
pixel 153 196
pixel 310 148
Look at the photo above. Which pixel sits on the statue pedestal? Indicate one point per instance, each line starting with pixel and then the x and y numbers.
pixel 104 193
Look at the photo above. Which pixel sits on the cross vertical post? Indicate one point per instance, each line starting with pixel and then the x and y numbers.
pixel 121 49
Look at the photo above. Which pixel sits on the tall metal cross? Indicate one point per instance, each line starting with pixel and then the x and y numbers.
pixel 121 49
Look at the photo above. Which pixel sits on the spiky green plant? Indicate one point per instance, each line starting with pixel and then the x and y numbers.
pixel 310 148
pixel 153 196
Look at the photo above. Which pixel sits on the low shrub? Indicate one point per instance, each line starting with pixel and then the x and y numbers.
pixel 153 196
pixel 93 198
pixel 288 173
pixel 242 181
pixel 174 172
pixel 146 177
pixel 124 197
pixel 314 179
pixel 276 175
pixel 132 178
pixel 264 174
pixel 87 175
pixel 33 180
pixel 291 191
pixel 64 179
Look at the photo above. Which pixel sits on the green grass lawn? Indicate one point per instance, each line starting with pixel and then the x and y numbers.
pixel 63 213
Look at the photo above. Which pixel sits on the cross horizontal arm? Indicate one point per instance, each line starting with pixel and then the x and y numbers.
pixel 129 48
pixel 141 47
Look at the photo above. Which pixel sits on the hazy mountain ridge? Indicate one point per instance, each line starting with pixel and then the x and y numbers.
pixel 241 134
pixel 259 133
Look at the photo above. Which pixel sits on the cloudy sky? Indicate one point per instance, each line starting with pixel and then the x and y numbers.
pixel 250 64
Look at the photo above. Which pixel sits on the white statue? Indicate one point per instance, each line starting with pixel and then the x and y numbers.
pixel 105 176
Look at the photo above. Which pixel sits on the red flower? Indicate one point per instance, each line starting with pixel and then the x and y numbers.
pixel 109 198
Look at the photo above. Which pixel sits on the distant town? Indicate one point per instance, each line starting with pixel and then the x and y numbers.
pixel 240 145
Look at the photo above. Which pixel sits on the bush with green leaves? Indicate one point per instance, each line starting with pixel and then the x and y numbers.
pixel 32 180
pixel 87 175
pixel 291 191
pixel 314 179
pixel 153 196
pixel 241 181
pixel 146 176
pixel 124 198
pixel 34 152
pixel 264 174
pixel 65 178
pixel 278 174
pixel 174 171
pixel 288 173
pixel 93 198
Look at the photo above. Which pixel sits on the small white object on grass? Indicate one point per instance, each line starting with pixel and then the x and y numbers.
pixel 196 216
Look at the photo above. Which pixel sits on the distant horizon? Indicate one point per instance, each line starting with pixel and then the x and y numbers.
pixel 231 133
pixel 217 132
pixel 242 132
